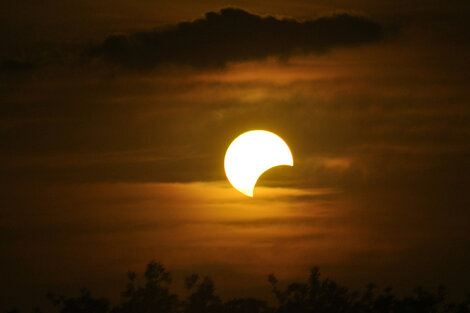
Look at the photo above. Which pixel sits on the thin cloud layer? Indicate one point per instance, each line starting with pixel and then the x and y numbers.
pixel 234 35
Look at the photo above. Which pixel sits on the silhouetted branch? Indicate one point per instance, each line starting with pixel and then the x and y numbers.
pixel 316 295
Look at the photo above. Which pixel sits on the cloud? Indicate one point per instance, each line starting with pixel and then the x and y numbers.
pixel 234 35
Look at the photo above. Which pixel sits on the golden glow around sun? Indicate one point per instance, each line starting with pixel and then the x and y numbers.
pixel 251 154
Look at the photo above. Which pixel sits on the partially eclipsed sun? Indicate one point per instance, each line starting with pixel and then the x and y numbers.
pixel 251 154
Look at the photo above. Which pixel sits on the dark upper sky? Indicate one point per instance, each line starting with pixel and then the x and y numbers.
pixel 115 117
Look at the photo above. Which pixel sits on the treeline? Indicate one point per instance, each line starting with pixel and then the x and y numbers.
pixel 317 295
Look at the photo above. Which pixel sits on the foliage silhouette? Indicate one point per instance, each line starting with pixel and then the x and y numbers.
pixel 153 297
pixel 83 303
pixel 316 295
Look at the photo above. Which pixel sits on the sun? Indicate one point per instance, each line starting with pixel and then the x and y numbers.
pixel 251 154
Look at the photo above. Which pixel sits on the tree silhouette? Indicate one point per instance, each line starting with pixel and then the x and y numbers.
pixel 203 299
pixel 83 303
pixel 247 305
pixel 315 295
pixel 153 297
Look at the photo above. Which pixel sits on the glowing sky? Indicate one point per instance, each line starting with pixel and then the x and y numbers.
pixel 105 166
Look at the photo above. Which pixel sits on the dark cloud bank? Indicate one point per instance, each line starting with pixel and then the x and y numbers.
pixel 235 35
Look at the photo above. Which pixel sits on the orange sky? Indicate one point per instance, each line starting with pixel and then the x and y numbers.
pixel 105 168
